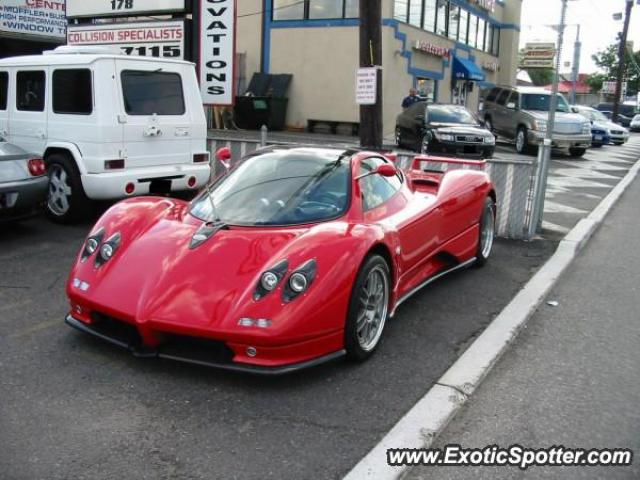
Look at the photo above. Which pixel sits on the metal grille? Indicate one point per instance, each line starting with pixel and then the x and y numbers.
pixel 567 128
pixel 469 139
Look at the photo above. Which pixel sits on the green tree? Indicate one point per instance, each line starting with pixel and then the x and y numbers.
pixel 595 81
pixel 607 61
pixel 541 76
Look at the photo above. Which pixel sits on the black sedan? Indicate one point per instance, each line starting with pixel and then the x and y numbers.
pixel 23 183
pixel 443 129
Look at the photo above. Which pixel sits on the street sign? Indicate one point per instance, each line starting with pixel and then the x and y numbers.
pixel 29 17
pixel 147 39
pixel 217 51
pixel 538 55
pixel 114 8
pixel 366 85
pixel 609 88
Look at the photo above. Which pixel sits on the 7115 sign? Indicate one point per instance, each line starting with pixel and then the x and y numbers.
pixel 121 4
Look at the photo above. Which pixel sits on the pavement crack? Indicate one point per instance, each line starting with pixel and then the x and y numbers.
pixel 459 390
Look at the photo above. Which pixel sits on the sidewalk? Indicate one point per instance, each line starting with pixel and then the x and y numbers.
pixel 572 378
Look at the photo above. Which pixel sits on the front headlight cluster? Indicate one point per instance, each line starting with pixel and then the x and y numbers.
pixel 490 139
pixel 540 125
pixel 586 127
pixel 105 249
pixel 296 284
pixel 445 137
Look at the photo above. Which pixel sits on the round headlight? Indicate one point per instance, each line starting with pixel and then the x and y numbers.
pixel 269 281
pixel 298 282
pixel 92 246
pixel 106 252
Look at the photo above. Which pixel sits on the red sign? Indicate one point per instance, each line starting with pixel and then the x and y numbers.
pixel 436 50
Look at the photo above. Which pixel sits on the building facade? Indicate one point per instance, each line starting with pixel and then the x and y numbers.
pixel 447 49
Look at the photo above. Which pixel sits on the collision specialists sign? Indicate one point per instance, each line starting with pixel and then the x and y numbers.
pixel 113 8
pixel 217 51
pixel 42 18
pixel 147 39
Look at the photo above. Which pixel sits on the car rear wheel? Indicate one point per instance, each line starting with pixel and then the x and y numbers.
pixel 368 308
pixel 577 152
pixel 423 143
pixel 66 200
pixel 487 232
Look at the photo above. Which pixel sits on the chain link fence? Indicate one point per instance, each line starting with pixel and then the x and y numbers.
pixel 514 181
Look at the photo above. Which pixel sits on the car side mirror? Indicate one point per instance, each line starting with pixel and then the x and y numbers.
pixel 223 155
pixel 386 170
pixel 511 106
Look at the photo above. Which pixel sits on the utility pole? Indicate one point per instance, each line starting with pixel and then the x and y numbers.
pixel 622 55
pixel 371 56
pixel 576 66
pixel 544 150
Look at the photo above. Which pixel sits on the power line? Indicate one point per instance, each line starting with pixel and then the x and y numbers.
pixel 272 9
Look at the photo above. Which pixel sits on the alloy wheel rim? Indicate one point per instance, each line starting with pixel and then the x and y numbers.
pixel 424 146
pixel 374 303
pixel 398 136
pixel 488 232
pixel 59 191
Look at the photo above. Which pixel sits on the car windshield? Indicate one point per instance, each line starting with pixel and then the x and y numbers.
pixel 636 118
pixel 594 115
pixel 282 187
pixel 540 102
pixel 450 114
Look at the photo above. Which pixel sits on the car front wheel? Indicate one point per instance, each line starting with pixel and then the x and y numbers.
pixel 487 232
pixel 522 141
pixel 368 308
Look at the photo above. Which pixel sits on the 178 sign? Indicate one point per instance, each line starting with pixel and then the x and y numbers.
pixel 217 51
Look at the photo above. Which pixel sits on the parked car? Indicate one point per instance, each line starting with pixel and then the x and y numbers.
pixel 623 120
pixel 600 125
pixel 625 112
pixel 107 125
pixel 445 129
pixel 297 256
pixel 635 124
pixel 521 114
pixel 23 183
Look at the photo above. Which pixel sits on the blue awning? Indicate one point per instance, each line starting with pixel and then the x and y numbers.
pixel 464 69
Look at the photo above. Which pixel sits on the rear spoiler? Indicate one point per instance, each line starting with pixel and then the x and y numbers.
pixel 440 164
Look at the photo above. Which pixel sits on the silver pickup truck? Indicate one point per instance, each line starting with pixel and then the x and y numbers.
pixel 521 114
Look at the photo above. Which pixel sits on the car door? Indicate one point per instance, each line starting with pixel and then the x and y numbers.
pixel 412 123
pixel 500 118
pixel 29 110
pixel 155 118
pixel 4 103
pixel 390 202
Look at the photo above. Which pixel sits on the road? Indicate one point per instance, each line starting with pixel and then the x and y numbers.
pixel 72 407
pixel 572 376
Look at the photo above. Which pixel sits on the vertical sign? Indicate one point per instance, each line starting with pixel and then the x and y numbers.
pixel 366 85
pixel 217 51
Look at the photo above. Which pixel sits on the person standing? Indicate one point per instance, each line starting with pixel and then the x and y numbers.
pixel 411 99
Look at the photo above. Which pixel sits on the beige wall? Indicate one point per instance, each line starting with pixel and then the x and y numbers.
pixel 323 63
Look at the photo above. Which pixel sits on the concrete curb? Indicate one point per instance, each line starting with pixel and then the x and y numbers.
pixel 419 427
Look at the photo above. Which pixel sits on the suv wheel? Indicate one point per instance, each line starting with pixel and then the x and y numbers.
pixel 488 123
pixel 66 200
pixel 522 141
pixel 577 152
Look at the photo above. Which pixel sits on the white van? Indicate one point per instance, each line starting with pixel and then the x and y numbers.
pixel 107 125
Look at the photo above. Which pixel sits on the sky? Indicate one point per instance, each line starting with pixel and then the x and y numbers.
pixel 597 27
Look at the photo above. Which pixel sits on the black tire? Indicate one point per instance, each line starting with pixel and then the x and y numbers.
pixel 355 350
pixel 79 206
pixel 422 145
pixel 488 215
pixel 398 136
pixel 523 148
pixel 577 152
pixel 488 124
pixel 596 145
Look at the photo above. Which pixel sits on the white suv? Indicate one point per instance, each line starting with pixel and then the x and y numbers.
pixel 107 125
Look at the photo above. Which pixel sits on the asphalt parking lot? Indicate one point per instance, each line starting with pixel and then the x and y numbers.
pixel 73 407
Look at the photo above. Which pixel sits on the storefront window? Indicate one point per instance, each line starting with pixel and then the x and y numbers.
pixel 473 31
pixel 464 21
pixel 400 10
pixel 352 9
pixel 442 16
pixel 288 10
pixel 415 13
pixel 325 9
pixel 426 88
pixel 430 15
pixel 481 34
pixel 495 44
pixel 454 22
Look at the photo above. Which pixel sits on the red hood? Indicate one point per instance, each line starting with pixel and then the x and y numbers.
pixel 154 274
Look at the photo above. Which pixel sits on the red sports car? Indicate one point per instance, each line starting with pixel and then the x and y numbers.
pixel 294 257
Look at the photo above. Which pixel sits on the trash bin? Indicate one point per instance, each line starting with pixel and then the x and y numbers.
pixel 265 102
